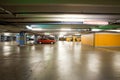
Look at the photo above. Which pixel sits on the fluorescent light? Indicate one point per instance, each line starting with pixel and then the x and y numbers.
pixel 77 34
pixel 63 29
pixel 7 34
pixel 72 16
pixel 114 30
pixel 33 28
pixel 29 27
pixel 37 29
pixel 70 20
pixel 96 22
pixel 47 33
pixel 96 30
pixel 62 34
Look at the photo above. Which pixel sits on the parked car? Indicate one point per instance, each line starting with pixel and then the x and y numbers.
pixel 46 40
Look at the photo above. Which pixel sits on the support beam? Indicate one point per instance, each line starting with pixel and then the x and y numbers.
pixel 6 11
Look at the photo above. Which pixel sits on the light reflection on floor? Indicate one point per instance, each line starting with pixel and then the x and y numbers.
pixel 116 64
pixel 60 61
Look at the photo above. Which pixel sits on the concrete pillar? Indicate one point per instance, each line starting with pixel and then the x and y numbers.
pixel 35 39
pixel 11 37
pixel 74 37
pixel 22 38
pixel 25 38
pixel 0 38
pixel 56 37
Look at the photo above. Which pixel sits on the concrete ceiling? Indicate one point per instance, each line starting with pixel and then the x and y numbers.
pixel 105 2
pixel 27 12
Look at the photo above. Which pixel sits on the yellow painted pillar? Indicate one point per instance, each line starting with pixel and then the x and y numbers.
pixel 74 37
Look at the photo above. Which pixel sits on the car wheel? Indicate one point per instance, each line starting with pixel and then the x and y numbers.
pixel 40 42
pixel 52 42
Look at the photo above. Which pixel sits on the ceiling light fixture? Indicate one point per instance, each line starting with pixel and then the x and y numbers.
pixel 29 27
pixel 37 29
pixel 96 22
pixel 114 30
pixel 63 29
pixel 96 30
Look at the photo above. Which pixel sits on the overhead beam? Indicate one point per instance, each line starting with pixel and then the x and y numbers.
pixel 62 8
pixel 6 11
pixel 105 2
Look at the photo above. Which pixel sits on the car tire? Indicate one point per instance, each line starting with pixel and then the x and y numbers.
pixel 40 42
pixel 52 42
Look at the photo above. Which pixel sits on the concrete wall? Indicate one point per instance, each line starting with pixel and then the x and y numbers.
pixel 101 39
pixel 87 39
pixel 107 39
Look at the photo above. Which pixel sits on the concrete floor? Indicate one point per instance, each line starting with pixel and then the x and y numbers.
pixel 60 61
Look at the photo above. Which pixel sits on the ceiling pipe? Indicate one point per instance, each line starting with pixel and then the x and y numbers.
pixel 6 11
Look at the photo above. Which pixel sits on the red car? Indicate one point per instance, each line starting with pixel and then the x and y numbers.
pixel 51 41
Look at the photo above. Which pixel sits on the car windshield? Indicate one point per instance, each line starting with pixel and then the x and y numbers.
pixel 51 38
pixel 43 39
